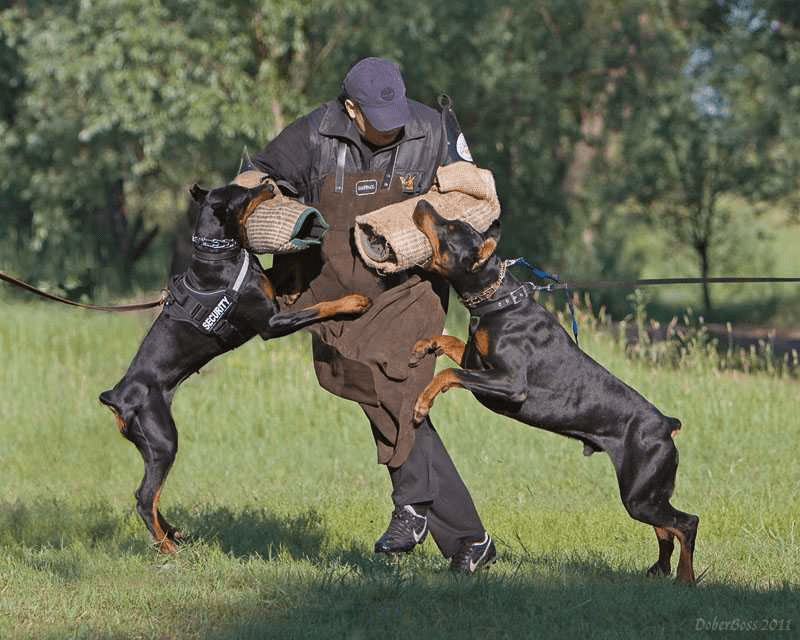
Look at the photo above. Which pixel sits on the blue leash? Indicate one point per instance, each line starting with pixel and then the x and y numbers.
pixel 556 284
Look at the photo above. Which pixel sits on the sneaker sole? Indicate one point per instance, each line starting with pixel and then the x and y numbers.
pixel 395 552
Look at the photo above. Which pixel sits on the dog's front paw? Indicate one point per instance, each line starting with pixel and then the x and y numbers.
pixel 165 546
pixel 421 410
pixel 421 350
pixel 356 303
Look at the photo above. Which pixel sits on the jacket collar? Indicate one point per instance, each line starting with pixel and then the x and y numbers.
pixel 336 124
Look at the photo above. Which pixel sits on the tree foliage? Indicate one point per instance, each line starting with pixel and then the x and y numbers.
pixel 714 130
pixel 126 103
pixel 111 108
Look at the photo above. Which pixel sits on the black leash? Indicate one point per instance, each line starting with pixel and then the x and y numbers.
pixel 620 284
pixel 555 283
pixel 124 307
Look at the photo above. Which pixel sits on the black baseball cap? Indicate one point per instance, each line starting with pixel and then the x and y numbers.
pixel 377 86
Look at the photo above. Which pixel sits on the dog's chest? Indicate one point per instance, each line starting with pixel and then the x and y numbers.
pixel 210 278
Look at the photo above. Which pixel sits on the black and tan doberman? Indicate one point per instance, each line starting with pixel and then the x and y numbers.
pixel 520 362
pixel 222 300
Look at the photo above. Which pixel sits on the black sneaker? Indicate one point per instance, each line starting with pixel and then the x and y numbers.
pixel 472 555
pixel 406 530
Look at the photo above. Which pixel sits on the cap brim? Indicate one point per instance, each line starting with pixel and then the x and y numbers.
pixel 388 116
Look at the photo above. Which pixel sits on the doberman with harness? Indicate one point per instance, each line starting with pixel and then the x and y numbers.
pixel 222 300
pixel 521 363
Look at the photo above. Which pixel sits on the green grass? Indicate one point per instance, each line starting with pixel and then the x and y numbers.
pixel 276 481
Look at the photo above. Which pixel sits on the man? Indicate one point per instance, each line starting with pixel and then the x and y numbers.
pixel 368 148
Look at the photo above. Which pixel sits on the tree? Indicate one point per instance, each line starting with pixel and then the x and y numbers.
pixel 779 53
pixel 124 104
pixel 129 101
pixel 115 107
pixel 711 132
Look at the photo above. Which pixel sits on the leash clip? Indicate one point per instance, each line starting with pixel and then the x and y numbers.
pixel 554 284
pixel 518 295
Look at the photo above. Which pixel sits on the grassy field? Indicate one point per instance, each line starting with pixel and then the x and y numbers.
pixel 277 483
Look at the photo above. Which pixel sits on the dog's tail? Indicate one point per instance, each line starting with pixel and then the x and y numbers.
pixel 674 425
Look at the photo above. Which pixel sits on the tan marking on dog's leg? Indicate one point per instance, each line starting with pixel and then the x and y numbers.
pixel 266 287
pixel 685 571
pixel 441 382
pixel 663 565
pixel 353 303
pixel 165 545
pixel 450 346
pixel 172 532
pixel 481 341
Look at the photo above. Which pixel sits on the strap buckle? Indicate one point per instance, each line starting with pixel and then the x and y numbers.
pixel 518 295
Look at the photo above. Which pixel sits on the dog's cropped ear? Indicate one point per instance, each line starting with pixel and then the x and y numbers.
pixel 264 190
pixel 488 246
pixel 198 193
pixel 493 231
pixel 483 252
pixel 264 185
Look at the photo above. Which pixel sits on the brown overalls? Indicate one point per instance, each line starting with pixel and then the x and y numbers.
pixel 366 359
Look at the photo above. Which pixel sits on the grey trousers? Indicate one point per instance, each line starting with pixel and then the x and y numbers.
pixel 429 478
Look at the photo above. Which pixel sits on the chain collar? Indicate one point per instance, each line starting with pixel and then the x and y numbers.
pixel 215 244
pixel 488 292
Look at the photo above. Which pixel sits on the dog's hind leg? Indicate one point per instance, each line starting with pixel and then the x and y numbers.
pixel 666 545
pixel 158 454
pixel 145 419
pixel 646 475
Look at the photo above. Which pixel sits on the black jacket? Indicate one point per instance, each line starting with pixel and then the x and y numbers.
pixel 304 153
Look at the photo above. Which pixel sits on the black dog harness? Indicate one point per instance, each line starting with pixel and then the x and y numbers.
pixel 208 310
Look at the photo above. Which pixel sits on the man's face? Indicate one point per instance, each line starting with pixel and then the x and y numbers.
pixel 367 131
